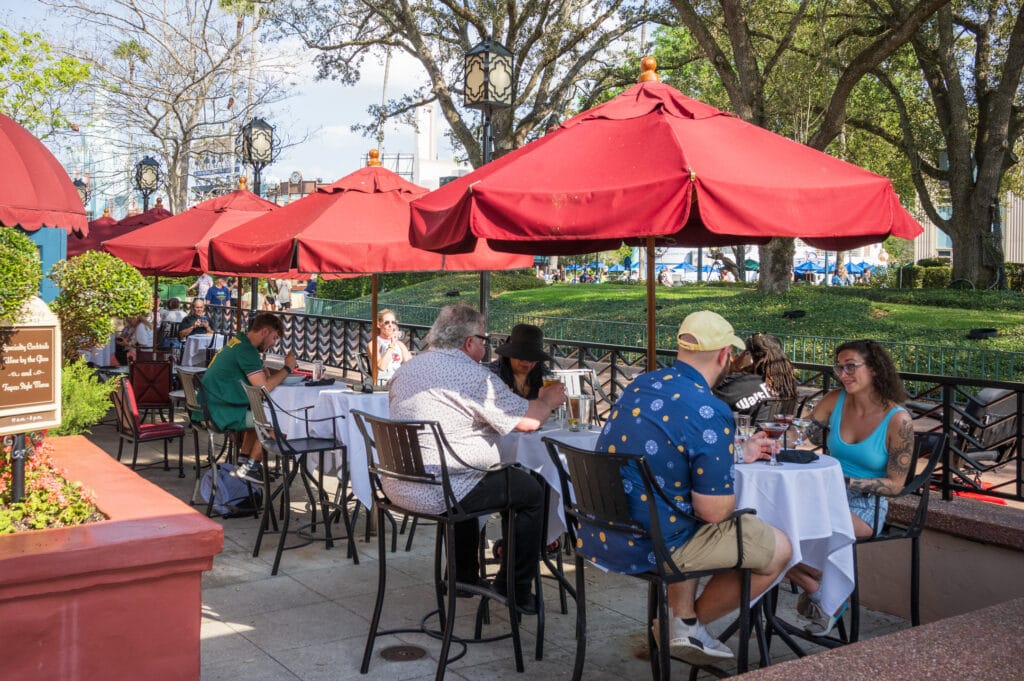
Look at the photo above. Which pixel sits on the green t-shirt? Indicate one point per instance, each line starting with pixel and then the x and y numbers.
pixel 224 392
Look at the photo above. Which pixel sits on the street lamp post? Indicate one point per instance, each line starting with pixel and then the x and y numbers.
pixel 147 178
pixel 257 145
pixel 488 86
pixel 83 193
pixel 256 142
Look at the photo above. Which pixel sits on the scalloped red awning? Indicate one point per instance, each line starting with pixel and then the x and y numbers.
pixel 36 191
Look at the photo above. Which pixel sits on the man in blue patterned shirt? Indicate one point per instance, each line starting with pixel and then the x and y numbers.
pixel 685 433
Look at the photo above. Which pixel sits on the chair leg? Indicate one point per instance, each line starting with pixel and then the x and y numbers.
pixel 378 605
pixel 120 448
pixel 855 602
pixel 581 621
pixel 449 610
pixel 287 463
pixel 744 631
pixel 167 463
pixel 135 452
pixel 181 455
pixel 915 581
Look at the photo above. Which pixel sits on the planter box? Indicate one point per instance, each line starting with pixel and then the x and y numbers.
pixel 118 599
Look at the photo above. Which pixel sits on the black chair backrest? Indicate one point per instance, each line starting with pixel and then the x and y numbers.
pixel 766 411
pixel 928 446
pixel 598 496
pixel 394 450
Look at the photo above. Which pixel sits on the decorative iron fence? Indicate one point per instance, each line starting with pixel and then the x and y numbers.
pixel 983 417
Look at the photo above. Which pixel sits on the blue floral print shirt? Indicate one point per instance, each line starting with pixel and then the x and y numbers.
pixel 671 417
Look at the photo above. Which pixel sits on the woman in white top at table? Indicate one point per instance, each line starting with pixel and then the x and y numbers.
pixel 872 436
pixel 391 352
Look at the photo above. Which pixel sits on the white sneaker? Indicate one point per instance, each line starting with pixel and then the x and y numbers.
pixel 692 643
pixel 821 623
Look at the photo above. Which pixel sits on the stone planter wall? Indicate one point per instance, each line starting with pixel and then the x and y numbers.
pixel 119 599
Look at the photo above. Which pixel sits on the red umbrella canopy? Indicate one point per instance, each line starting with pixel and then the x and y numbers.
pixel 358 225
pixel 655 163
pixel 154 214
pixel 179 245
pixel 100 230
pixel 36 191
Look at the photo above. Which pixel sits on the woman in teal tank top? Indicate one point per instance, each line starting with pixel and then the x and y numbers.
pixel 873 439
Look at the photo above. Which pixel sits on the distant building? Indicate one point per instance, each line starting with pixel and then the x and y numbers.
pixel 935 243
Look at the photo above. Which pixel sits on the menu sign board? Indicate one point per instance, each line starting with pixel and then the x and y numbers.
pixel 30 374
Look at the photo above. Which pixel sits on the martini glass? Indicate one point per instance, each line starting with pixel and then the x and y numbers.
pixel 801 427
pixel 774 430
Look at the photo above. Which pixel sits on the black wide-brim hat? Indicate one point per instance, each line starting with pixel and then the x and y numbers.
pixel 525 342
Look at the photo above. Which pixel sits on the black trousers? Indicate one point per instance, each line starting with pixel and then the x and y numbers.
pixel 528 502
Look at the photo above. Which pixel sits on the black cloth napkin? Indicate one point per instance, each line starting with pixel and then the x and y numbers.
pixel 797 456
pixel 322 381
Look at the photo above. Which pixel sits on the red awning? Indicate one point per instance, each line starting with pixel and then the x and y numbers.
pixel 36 190
pixel 178 246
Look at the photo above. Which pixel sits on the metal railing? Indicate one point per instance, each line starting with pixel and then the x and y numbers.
pixel 946 402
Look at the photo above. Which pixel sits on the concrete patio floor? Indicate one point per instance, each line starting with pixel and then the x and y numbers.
pixel 310 621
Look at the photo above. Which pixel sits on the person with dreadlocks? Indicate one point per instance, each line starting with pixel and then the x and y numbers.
pixel 759 373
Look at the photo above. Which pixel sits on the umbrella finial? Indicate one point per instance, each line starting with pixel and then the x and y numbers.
pixel 648 70
pixel 243 183
pixel 374 155
pixel 106 212
pixel 159 202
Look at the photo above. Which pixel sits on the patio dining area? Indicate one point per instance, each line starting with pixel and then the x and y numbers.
pixel 310 621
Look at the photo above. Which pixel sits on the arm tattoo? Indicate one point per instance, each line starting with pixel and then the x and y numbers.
pixel 817 432
pixel 901 456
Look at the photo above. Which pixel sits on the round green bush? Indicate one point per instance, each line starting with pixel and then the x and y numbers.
pixel 95 287
pixel 20 272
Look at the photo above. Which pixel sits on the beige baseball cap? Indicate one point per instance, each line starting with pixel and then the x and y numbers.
pixel 711 331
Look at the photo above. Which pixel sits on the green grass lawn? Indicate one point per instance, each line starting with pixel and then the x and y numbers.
pixel 931 317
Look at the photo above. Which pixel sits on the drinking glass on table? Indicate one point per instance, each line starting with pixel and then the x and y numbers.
pixel 801 423
pixel 577 410
pixel 744 431
pixel 774 430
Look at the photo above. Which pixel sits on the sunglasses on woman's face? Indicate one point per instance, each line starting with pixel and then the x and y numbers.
pixel 389 322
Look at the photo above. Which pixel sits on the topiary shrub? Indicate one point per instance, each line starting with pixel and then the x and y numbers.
pixel 85 398
pixel 933 262
pixel 94 288
pixel 907 276
pixel 20 272
pixel 936 277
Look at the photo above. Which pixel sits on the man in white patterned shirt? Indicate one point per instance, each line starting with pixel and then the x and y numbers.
pixel 475 408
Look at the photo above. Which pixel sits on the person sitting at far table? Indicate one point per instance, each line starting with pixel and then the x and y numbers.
pixel 196 321
pixel 761 372
pixel 240 360
pixel 872 436
pixel 671 417
pixel 447 384
pixel 391 351
pixel 521 361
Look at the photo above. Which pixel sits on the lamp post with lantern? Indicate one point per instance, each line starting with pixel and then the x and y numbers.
pixel 256 141
pixel 147 178
pixel 488 86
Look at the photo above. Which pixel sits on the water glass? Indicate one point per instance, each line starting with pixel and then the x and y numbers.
pixel 318 370
pixel 577 409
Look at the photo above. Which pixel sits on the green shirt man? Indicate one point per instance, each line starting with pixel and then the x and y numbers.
pixel 240 360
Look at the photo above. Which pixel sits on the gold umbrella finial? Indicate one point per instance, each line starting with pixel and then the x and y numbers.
pixel 648 70
pixel 374 160
pixel 243 183
pixel 106 212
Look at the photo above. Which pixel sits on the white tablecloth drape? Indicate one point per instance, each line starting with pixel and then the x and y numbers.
pixel 194 352
pixel 529 451
pixel 808 503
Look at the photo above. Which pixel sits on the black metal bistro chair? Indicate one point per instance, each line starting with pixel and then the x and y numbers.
pixel 395 456
pixel 593 493
pixel 292 453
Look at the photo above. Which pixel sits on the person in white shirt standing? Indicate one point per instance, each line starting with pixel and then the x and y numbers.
pixel 284 294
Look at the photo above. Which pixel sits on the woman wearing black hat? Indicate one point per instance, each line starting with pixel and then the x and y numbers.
pixel 521 361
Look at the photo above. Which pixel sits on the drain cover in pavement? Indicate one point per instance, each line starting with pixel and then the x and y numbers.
pixel 402 653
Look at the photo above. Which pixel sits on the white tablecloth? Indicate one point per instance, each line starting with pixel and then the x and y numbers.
pixel 808 503
pixel 529 451
pixel 194 352
pixel 101 356
pixel 338 403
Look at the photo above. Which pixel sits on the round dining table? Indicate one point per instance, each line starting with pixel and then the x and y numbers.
pixel 808 503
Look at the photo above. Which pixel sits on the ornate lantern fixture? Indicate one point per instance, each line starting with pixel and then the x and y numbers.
pixel 256 141
pixel 147 178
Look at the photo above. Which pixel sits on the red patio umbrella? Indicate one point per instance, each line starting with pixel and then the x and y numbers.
pixel 656 166
pixel 36 191
pixel 154 214
pixel 179 245
pixel 100 230
pixel 358 225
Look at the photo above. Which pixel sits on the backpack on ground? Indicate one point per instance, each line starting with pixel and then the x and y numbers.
pixel 232 497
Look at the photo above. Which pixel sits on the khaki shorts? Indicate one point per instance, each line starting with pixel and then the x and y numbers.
pixel 714 546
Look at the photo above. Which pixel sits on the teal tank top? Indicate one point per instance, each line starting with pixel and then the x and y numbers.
pixel 865 459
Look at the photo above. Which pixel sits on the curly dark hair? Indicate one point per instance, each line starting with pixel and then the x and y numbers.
pixel 771 363
pixel 887 382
